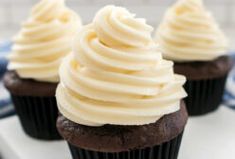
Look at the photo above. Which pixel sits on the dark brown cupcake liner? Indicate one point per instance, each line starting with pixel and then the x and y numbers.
pixel 38 116
pixel 167 150
pixel 204 96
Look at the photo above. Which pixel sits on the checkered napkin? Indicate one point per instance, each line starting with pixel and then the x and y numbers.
pixel 6 108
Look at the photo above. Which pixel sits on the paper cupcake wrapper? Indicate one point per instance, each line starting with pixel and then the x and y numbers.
pixel 204 96
pixel 168 150
pixel 38 116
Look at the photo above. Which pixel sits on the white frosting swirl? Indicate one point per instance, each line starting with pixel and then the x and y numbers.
pixel 117 82
pixel 112 24
pixel 190 33
pixel 45 38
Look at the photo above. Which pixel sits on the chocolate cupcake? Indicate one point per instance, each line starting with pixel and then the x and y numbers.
pixel 117 97
pixel 32 77
pixel 190 37
pixel 159 140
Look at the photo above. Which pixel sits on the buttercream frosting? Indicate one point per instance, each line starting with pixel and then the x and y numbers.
pixel 189 32
pixel 43 41
pixel 116 75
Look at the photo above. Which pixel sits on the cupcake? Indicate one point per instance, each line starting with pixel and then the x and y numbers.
pixel 117 97
pixel 32 77
pixel 189 36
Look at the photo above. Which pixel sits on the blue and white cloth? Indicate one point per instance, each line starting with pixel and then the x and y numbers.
pixel 4 49
pixel 6 108
pixel 229 95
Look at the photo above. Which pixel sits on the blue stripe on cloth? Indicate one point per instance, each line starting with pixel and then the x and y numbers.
pixel 6 108
pixel 7 111
pixel 229 95
pixel 5 48
pixel 3 66
pixel 5 102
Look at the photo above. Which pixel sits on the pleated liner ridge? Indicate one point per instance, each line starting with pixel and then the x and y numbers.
pixel 204 96
pixel 168 150
pixel 37 116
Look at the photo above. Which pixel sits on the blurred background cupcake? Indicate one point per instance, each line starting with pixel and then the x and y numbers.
pixel 190 37
pixel 117 97
pixel 32 76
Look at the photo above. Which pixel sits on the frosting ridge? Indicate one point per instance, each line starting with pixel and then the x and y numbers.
pixel 117 82
pixel 189 32
pixel 45 38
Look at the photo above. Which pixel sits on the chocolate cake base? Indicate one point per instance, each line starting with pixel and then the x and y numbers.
pixel 28 87
pixel 204 70
pixel 167 150
pixel 35 105
pixel 204 96
pixel 159 140
pixel 205 84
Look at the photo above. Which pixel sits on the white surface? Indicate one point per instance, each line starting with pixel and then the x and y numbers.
pixel 14 144
pixel 208 137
